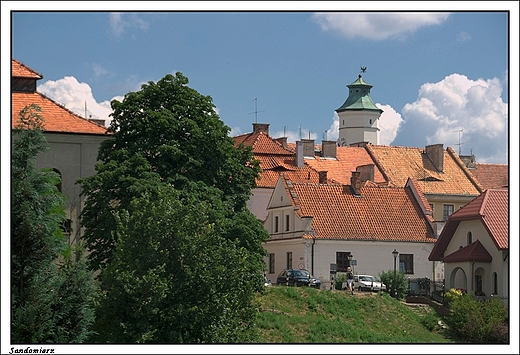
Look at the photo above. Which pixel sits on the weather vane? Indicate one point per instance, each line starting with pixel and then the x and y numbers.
pixel 363 69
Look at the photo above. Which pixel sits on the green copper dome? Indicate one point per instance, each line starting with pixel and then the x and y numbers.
pixel 359 97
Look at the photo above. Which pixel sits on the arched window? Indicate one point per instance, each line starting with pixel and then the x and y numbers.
pixel 495 283
pixel 470 238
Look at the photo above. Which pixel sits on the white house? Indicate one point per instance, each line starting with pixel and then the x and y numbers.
pixel 474 246
pixel 316 226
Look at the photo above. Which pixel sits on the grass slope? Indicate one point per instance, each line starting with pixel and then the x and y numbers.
pixel 307 315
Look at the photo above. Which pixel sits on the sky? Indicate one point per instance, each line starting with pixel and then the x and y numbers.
pixel 439 77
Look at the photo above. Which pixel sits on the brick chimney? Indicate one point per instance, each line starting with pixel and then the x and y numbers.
pixel 328 149
pixel 323 177
pixel 261 127
pixel 355 183
pixel 436 154
pixel 366 172
pixel 299 154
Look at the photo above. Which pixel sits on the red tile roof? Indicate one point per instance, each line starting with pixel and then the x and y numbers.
pixel 492 176
pixel 274 159
pixel 472 252
pixel 19 70
pixel 57 118
pixel 400 163
pixel 347 160
pixel 380 214
pixel 491 208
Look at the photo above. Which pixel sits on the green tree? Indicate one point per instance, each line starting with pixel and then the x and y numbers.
pixel 167 224
pixel 51 302
pixel 165 133
pixel 401 282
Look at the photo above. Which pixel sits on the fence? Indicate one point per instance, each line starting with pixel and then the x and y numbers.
pixel 426 287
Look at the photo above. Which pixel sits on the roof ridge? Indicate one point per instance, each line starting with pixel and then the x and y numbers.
pixel 465 169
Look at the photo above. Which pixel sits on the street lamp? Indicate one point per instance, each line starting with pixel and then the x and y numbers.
pixel 394 253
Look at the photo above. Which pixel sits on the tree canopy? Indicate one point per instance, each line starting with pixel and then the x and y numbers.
pixel 52 292
pixel 166 221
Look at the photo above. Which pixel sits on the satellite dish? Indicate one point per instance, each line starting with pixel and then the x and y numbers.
pixel 342 142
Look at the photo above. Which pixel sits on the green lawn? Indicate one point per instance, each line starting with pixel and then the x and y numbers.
pixel 307 315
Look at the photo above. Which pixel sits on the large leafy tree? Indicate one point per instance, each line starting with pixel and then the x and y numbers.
pixel 166 222
pixel 52 291
pixel 165 133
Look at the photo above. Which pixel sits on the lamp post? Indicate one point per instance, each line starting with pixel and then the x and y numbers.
pixel 394 253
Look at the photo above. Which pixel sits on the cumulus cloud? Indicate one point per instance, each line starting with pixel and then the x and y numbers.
pixel 73 95
pixel 377 26
pixel 458 104
pixel 119 22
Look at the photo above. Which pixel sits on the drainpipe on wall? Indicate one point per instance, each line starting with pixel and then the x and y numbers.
pixel 312 255
pixel 472 276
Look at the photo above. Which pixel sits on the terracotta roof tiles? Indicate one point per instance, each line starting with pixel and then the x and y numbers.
pixel 472 252
pixel 492 176
pixel 380 214
pixel 400 163
pixel 19 70
pixel 57 118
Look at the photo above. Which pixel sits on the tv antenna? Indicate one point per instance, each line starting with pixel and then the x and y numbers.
pixel 459 144
pixel 256 110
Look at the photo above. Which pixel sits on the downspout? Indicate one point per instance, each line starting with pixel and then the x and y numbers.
pixel 312 254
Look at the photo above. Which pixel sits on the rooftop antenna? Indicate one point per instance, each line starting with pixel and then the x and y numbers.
pixel 325 134
pixel 300 132
pixel 284 128
pixel 459 144
pixel 256 111
pixel 85 109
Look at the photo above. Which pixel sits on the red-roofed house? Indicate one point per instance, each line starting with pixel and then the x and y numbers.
pixel 73 140
pixel 474 246
pixel 316 225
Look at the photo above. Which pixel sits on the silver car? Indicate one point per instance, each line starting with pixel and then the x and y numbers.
pixel 366 283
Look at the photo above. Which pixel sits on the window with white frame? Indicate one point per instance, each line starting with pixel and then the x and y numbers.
pixel 447 210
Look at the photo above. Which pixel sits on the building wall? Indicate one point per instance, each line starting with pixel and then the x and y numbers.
pixel 371 257
pixel 74 156
pixel 499 263
pixel 355 126
pixel 257 203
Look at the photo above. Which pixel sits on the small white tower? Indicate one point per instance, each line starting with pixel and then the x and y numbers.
pixel 358 116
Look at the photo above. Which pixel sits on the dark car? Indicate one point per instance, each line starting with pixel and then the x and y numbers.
pixel 293 277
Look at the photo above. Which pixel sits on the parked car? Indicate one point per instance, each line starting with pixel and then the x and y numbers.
pixel 293 277
pixel 365 283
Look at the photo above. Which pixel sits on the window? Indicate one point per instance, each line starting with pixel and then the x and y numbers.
pixel 406 263
pixel 478 283
pixel 342 261
pixel 289 260
pixel 447 210
pixel 495 283
pixel 370 121
pixel 470 238
pixel 276 224
pixel 431 206
pixel 271 263
pixel 286 223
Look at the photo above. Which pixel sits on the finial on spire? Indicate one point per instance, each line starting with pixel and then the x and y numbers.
pixel 363 69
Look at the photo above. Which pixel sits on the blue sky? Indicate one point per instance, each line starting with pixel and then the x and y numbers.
pixel 435 75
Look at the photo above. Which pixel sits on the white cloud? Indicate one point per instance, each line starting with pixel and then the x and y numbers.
pixel 388 124
pixel 73 95
pixel 463 37
pixel 377 26
pixel 458 103
pixel 118 25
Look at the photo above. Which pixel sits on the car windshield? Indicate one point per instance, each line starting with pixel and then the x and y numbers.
pixel 300 273
pixel 368 278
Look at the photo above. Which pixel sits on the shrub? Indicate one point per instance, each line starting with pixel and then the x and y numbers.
pixel 401 284
pixel 338 281
pixel 479 322
pixel 451 295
